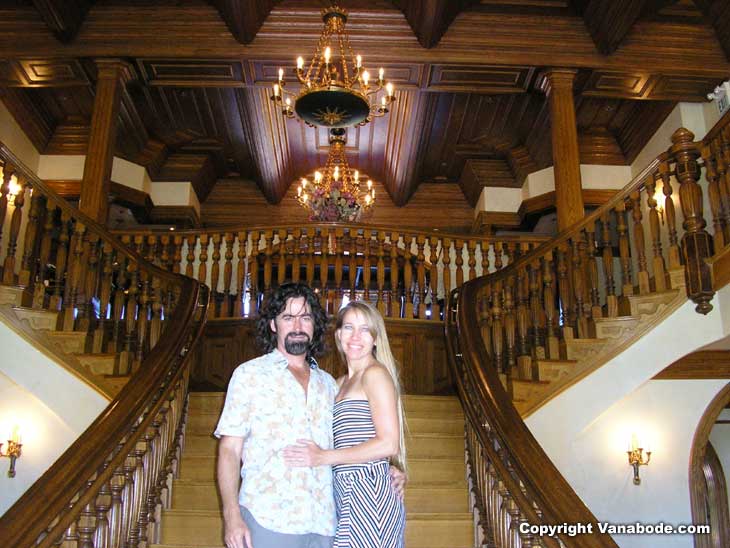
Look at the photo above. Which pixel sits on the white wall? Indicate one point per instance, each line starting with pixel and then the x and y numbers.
pixel 585 431
pixel 51 406
pixel 16 140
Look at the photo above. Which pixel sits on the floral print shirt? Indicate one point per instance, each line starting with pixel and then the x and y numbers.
pixel 267 407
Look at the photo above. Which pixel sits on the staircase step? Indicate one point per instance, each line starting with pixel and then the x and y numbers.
pixel 14 295
pixel 616 328
pixel 203 495
pixel 417 445
pixel 554 370
pixel 100 364
pixel 583 349
pixel 422 472
pixel 117 382
pixel 442 406
pixel 205 528
pixel 651 303
pixel 41 320
pixel 71 342
pixel 528 390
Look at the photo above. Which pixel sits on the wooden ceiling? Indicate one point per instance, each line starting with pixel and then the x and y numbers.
pixel 469 109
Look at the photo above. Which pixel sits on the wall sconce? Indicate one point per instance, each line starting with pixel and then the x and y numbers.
pixel 638 456
pixel 13 451
pixel 659 199
pixel 13 189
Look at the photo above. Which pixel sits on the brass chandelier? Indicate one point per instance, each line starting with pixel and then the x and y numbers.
pixel 336 193
pixel 336 91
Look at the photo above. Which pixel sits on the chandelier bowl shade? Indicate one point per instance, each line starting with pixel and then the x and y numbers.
pixel 333 107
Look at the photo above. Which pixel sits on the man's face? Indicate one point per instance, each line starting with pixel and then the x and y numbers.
pixel 294 327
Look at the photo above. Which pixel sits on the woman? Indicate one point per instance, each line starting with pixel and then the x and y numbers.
pixel 368 433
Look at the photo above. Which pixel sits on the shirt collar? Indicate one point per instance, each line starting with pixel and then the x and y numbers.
pixel 279 359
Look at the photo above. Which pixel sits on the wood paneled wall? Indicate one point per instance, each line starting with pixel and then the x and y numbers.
pixel 419 348
pixel 238 202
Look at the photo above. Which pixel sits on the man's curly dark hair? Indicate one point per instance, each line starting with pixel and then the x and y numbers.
pixel 275 303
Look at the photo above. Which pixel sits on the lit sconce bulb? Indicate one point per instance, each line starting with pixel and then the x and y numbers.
pixel 300 63
pixel 389 89
pixel 299 190
pixel 288 103
pixel 358 61
pixel 365 77
pixel 356 176
pixel 305 197
pixel 15 436
pixel 370 184
pixel 336 173
pixel 281 74
pixel 304 182
pixel 276 90
pixel 317 177
pixel 367 199
pixel 382 101
pixel 372 193
pixel 381 73
pixel 13 187
pixel 327 53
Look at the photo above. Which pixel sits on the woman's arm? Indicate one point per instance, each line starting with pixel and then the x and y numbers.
pixel 380 392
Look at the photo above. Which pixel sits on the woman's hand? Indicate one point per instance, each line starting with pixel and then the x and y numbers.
pixel 305 453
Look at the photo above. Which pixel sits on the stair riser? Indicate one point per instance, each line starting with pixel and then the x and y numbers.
pixel 204 496
pixel 422 472
pixel 207 530
pixel 417 447
pixel 204 424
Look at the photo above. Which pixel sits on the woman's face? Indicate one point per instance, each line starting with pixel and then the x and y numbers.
pixel 354 336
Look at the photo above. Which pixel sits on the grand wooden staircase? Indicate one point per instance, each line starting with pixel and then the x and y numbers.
pixel 437 499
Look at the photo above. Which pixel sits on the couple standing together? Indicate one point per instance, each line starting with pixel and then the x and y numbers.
pixel 315 451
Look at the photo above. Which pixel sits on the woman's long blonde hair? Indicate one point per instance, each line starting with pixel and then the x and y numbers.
pixel 383 354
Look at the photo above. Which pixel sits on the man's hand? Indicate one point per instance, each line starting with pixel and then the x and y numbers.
pixel 307 453
pixel 398 480
pixel 236 533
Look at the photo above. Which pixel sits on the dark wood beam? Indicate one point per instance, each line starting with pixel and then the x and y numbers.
pixel 63 17
pixel 244 19
pixel 718 13
pixel 703 364
pixel 430 19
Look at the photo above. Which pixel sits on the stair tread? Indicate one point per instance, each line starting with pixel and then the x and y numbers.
pixel 451 516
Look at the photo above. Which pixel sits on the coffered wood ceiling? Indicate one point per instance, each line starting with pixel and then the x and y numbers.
pixel 468 113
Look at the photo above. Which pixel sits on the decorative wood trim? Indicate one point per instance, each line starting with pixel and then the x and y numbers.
pixel 71 137
pixel 703 364
pixel 547 201
pixel 487 222
pixel 63 18
pixel 697 491
pixel 192 72
pixel 244 19
pixel 178 216
pixel 50 73
pixel 481 78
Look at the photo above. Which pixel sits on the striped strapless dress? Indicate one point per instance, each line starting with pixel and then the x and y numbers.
pixel 369 513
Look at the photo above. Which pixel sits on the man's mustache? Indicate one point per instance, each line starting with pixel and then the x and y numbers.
pixel 298 334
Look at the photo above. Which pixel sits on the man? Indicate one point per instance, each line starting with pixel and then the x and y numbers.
pixel 273 401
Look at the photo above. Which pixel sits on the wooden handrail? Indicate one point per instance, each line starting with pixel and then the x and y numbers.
pixel 106 488
pixel 498 325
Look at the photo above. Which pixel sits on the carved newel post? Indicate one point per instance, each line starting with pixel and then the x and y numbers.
pixel 696 243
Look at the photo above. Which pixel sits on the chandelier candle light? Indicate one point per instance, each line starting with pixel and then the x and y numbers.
pixel 336 91
pixel 335 193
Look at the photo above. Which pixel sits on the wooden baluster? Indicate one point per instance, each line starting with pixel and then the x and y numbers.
pixel 190 257
pixel 551 335
pixel 28 264
pixel 85 526
pixel 510 326
pixel 354 246
pixel 536 312
pixel 242 238
pixel 524 362
pixel 339 252
pixel 421 276
pixel 485 320
pixel 484 250
pixel 497 333
pixel 215 274
pixel 105 295
pixel 117 485
pixel 639 245
pixel 164 252
pixel 498 254
pixel 309 267
pixel 367 264
pixel 446 254
pixel 565 290
pixel 138 244
pixel 7 171
pixel 471 248
pixel 203 266
pixel 624 250
pixel 660 272
pixel 408 278
pixel 593 293
pixel 607 259
pixel 227 276
pixel 459 261
pixel 324 268
pixel 296 266
pixel 143 312
pixel 102 506
pixel 151 252
pixel 433 280
pixel 156 308
pixel 73 276
pixel 126 356
pixel 253 270
pixel 9 277
pixel 696 242
pixel 578 259
pixel 120 267
pixel 87 314
pixel 394 303
pixel 722 162
pixel 44 255
pixel 284 253
pixel 509 251
pixel 381 272
pixel 713 193
pixel 177 244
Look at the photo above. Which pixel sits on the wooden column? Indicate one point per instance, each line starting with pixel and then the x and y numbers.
pixel 558 86
pixel 112 77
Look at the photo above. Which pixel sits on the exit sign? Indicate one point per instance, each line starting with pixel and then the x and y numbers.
pixel 721 96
